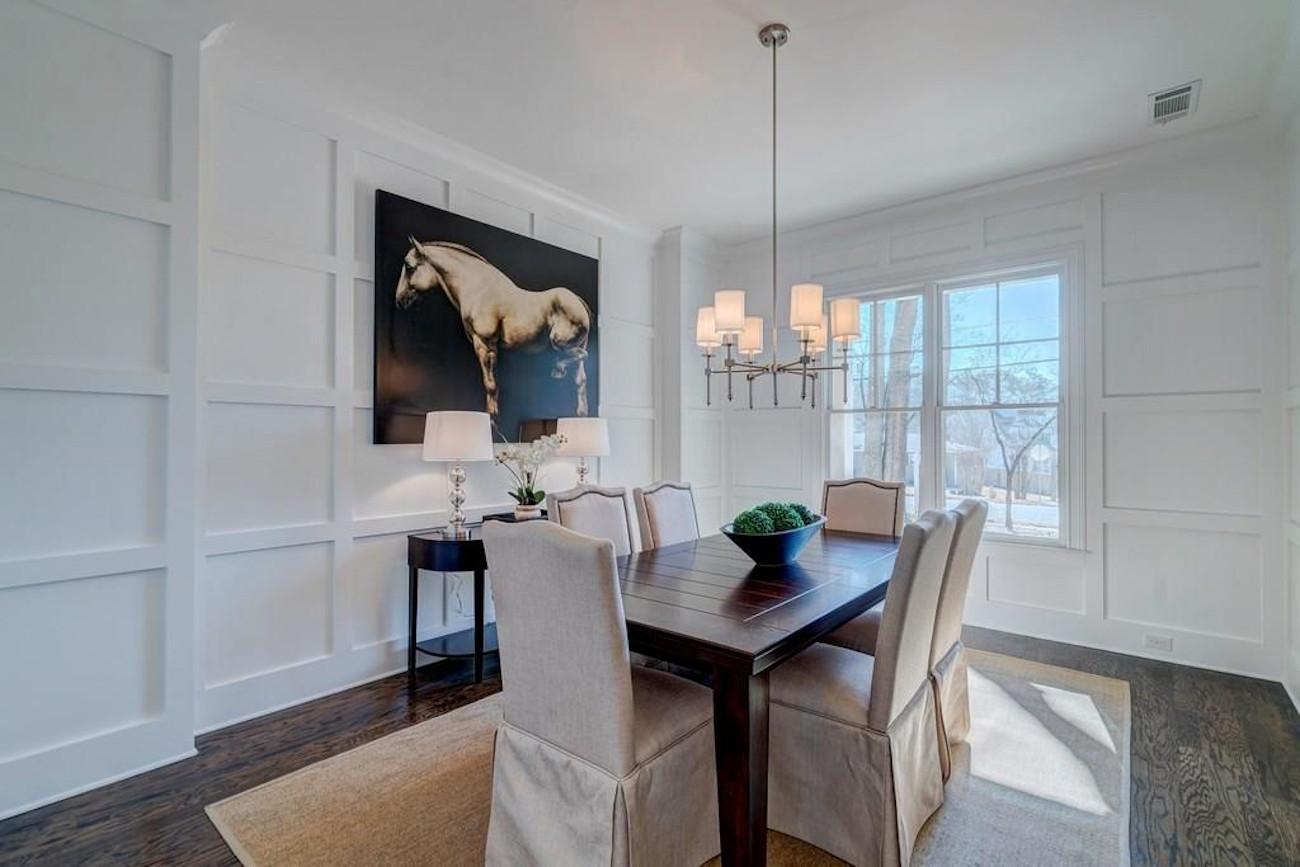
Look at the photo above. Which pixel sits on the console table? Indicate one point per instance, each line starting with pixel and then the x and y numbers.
pixel 438 551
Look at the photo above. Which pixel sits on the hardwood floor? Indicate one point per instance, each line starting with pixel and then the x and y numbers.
pixel 1216 766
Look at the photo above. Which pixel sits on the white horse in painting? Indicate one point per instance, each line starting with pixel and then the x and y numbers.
pixel 497 314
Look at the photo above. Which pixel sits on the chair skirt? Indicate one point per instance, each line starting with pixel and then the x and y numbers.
pixel 550 807
pixel 952 699
pixel 860 794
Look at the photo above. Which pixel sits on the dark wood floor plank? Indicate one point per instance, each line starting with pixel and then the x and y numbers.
pixel 1215 766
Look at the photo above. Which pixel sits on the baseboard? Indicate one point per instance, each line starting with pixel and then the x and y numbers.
pixel 107 781
pixel 258 714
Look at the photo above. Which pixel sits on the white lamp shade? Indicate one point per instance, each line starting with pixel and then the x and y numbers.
pixel 583 437
pixel 706 331
pixel 751 339
pixel 805 305
pixel 817 336
pixel 729 311
pixel 846 319
pixel 453 435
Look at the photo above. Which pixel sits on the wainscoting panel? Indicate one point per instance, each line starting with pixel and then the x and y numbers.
pixel 265 610
pixel 110 129
pixel 762 449
pixel 393 479
pixel 267 466
pixel 250 305
pixel 1046 579
pixel 627 353
pixel 1183 342
pixel 1193 580
pixel 487 209
pixel 377 578
pixel 54 320
pixel 1184 461
pixel 99 504
pixel 1207 221
pixel 631 460
pixel 1033 222
pixel 566 236
pixel 281 191
pixel 117 618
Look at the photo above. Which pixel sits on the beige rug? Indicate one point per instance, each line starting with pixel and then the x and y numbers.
pixel 1044 780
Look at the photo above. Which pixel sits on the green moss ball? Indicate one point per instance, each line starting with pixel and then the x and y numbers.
pixel 783 517
pixel 752 523
pixel 805 514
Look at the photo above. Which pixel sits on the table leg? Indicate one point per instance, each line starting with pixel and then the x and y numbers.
pixel 740 744
pixel 478 626
pixel 412 602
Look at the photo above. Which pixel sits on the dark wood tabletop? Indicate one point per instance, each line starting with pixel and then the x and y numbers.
pixel 705 605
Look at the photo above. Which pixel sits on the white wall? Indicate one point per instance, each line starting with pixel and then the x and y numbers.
pixel 194 525
pixel 302 580
pixel 98 200
pixel 1292 404
pixel 1176 274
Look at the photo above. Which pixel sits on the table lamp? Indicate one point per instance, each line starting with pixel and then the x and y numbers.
pixel 453 436
pixel 583 438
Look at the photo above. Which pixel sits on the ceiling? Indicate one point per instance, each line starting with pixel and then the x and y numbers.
pixel 661 111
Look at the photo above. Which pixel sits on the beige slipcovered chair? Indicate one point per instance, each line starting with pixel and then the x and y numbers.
pixel 597 762
pixel 947 653
pixel 595 511
pixel 665 513
pixel 864 506
pixel 854 761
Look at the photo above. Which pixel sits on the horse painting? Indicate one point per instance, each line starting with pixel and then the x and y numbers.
pixel 499 316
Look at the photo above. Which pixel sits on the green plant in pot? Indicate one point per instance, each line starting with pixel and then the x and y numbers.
pixel 774 533
pixel 524 463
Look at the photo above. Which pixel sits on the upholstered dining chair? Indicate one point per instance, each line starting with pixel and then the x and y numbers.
pixel 665 514
pixel 595 511
pixel 595 758
pixel 854 761
pixel 948 670
pixel 864 505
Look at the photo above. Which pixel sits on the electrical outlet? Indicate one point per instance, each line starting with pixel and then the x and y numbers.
pixel 1159 642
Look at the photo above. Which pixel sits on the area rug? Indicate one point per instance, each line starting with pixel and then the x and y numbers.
pixel 1043 780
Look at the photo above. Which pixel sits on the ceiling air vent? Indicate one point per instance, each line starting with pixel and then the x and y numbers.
pixel 1175 102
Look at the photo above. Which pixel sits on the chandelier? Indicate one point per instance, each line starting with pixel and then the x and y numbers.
pixel 724 325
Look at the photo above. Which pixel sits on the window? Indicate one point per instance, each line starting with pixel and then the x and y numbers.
pixel 965 401
pixel 886 375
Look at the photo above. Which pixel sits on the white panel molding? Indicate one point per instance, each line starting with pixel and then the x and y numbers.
pixel 216 391
pixel 241 541
pixel 88 380
pixel 73 567
pixel 18 178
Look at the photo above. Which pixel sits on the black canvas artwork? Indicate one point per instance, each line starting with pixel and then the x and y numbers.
pixel 472 317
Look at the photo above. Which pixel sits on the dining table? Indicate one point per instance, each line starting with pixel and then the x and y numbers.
pixel 706 606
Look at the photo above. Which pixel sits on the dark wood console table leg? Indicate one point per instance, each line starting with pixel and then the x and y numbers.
pixel 740 740
pixel 413 598
pixel 478 625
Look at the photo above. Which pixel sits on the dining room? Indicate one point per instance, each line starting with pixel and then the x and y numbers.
pixel 570 432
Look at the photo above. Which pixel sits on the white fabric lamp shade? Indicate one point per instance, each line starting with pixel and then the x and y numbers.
pixel 729 311
pixel 805 305
pixel 751 339
pixel 706 331
pixel 817 336
pixel 583 437
pixel 846 319
pixel 453 435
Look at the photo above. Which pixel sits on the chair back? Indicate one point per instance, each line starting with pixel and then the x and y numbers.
pixel 907 624
pixel 864 506
pixel 665 513
pixel 969 516
pixel 565 667
pixel 594 511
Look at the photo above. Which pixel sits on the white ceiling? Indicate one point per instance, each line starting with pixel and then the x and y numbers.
pixel 660 110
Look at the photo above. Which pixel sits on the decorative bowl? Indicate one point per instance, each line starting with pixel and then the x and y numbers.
pixel 774 549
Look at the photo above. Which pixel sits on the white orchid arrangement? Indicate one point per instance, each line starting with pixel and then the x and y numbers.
pixel 524 462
